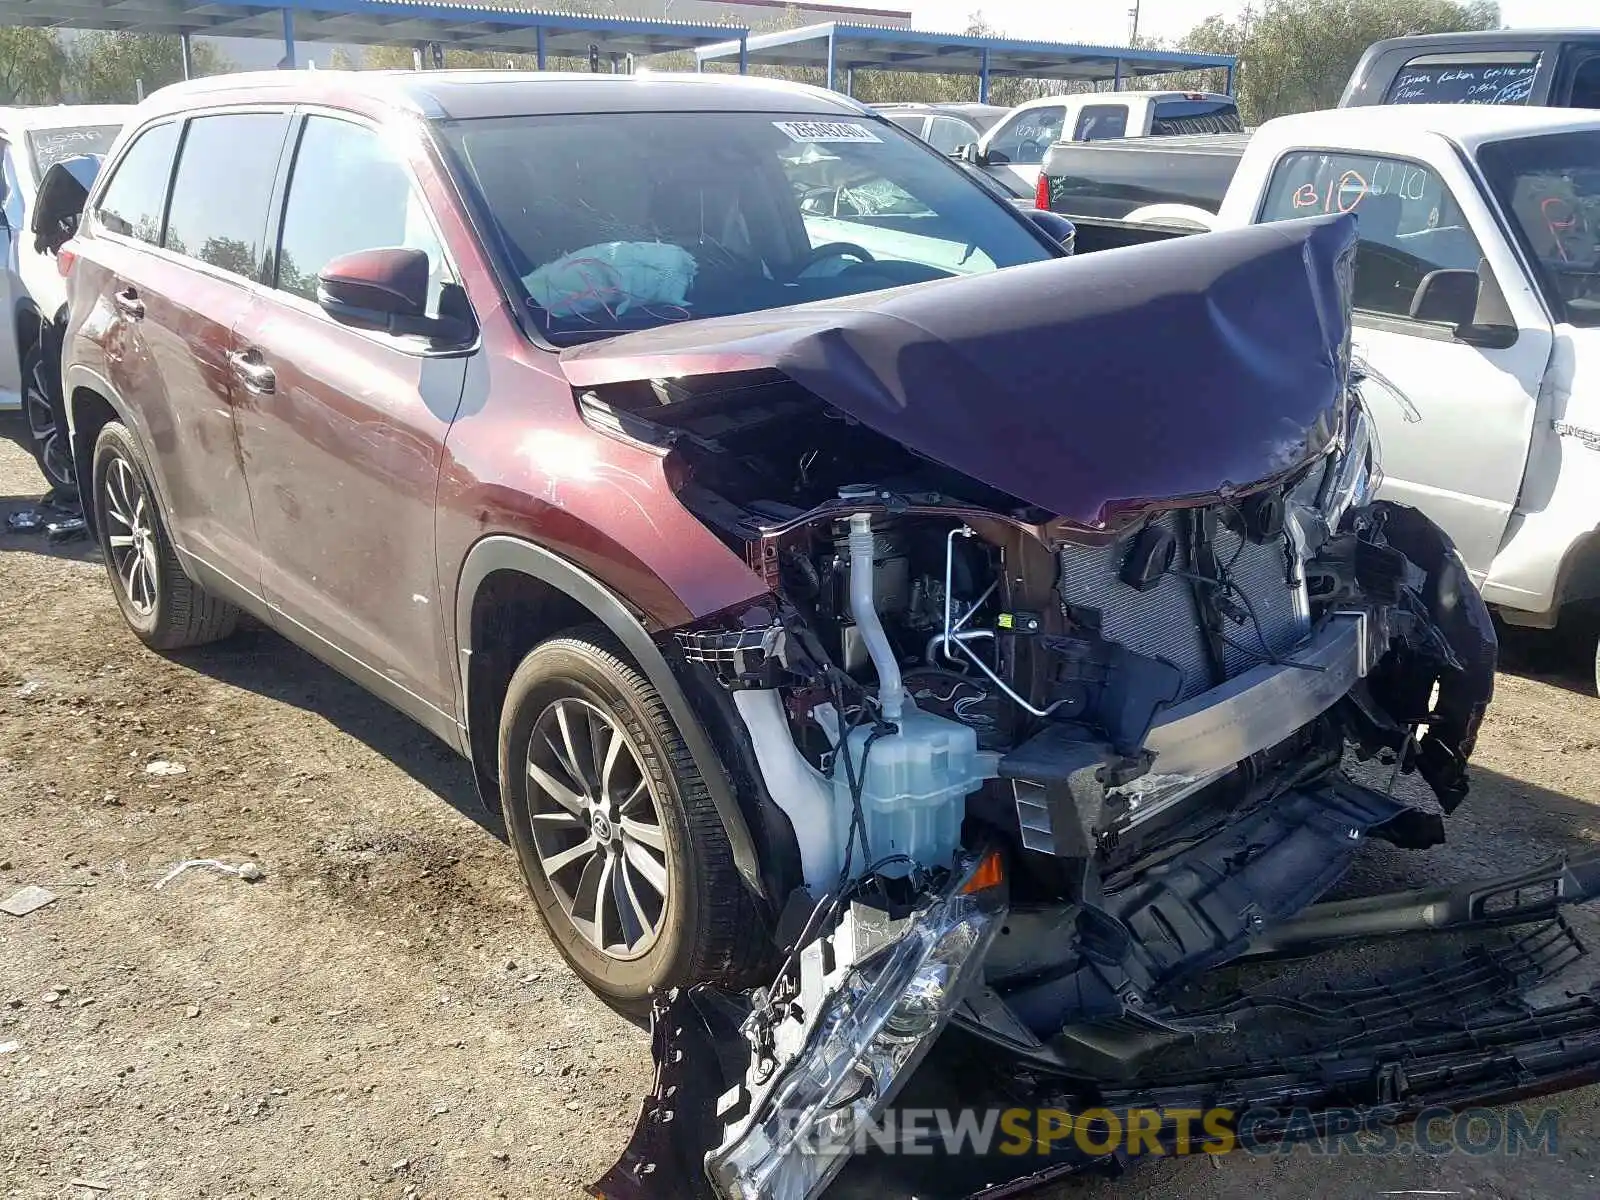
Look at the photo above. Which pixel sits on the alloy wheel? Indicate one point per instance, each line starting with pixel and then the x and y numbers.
pixel 49 439
pixel 597 828
pixel 131 536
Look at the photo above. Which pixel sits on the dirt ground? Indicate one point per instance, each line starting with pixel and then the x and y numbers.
pixel 381 1015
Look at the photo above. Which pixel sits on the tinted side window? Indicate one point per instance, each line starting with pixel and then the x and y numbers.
pixel 1409 223
pixel 136 198
pixel 1026 136
pixel 910 122
pixel 948 134
pixel 1503 78
pixel 349 191
pixel 1097 121
pixel 223 189
pixel 1585 91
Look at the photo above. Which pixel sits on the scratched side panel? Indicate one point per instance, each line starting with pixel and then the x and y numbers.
pixel 519 460
pixel 342 459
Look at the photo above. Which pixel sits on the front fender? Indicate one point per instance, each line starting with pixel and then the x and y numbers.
pixel 504 553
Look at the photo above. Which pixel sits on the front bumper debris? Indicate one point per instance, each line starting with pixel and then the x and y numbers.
pixel 1489 1022
pixel 829 1045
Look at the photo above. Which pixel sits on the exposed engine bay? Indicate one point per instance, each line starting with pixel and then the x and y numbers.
pixel 1034 775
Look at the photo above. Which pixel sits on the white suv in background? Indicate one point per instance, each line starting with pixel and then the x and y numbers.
pixel 32 292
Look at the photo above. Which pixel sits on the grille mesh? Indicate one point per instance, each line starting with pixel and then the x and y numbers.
pixel 1162 623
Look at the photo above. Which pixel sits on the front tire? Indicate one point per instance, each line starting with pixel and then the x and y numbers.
pixel 47 428
pixel 615 833
pixel 162 605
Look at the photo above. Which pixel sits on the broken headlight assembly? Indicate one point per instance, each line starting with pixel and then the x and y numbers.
pixel 857 1018
pixel 1356 475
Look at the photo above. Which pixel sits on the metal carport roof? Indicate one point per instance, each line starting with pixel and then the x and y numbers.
pixel 465 26
pixel 834 46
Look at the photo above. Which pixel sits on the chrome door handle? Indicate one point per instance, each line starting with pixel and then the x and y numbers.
pixel 254 374
pixel 128 303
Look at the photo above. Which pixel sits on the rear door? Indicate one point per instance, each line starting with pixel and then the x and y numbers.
pixel 1100 122
pixel 343 429
pixel 1455 426
pixel 180 302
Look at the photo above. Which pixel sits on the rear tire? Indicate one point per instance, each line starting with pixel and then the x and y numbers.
pixel 648 816
pixel 162 605
pixel 47 426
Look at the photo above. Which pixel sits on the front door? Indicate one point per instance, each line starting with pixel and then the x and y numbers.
pixel 1016 147
pixel 343 430
pixel 1454 420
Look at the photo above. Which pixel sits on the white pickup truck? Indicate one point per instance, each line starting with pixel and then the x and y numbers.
pixel 1477 297
pixel 1013 150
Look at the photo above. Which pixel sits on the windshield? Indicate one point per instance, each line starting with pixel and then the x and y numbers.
pixel 614 222
pixel 1550 186
pixel 50 146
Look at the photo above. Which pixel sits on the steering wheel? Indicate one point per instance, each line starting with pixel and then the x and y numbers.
pixel 834 250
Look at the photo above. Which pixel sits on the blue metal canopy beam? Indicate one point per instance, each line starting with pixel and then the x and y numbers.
pixel 374 21
pixel 833 45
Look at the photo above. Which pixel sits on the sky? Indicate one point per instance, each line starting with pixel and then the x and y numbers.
pixel 1105 22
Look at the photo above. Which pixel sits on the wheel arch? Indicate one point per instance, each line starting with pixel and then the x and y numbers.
pixel 1579 578
pixel 550 594
pixel 90 403
pixel 28 322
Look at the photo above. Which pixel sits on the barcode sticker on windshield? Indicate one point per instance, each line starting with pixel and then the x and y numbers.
pixel 827 131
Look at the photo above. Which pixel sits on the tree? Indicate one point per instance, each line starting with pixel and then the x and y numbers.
pixel 1296 55
pixel 110 68
pixel 32 66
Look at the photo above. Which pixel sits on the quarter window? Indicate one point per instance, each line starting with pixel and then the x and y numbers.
pixel 224 188
pixel 1408 223
pixel 135 200
pixel 349 192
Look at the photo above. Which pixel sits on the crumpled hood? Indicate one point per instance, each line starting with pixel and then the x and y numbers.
pixel 1084 386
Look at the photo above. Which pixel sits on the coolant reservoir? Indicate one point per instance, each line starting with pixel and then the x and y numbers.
pixel 914 793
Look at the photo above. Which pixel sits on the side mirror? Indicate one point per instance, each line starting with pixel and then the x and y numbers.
pixel 972 155
pixel 1055 226
pixel 59 203
pixel 1447 297
pixel 1471 302
pixel 384 290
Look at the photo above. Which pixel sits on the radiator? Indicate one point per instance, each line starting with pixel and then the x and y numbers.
pixel 1163 623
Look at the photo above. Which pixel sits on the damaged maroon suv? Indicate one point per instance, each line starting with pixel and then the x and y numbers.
pixel 917 656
